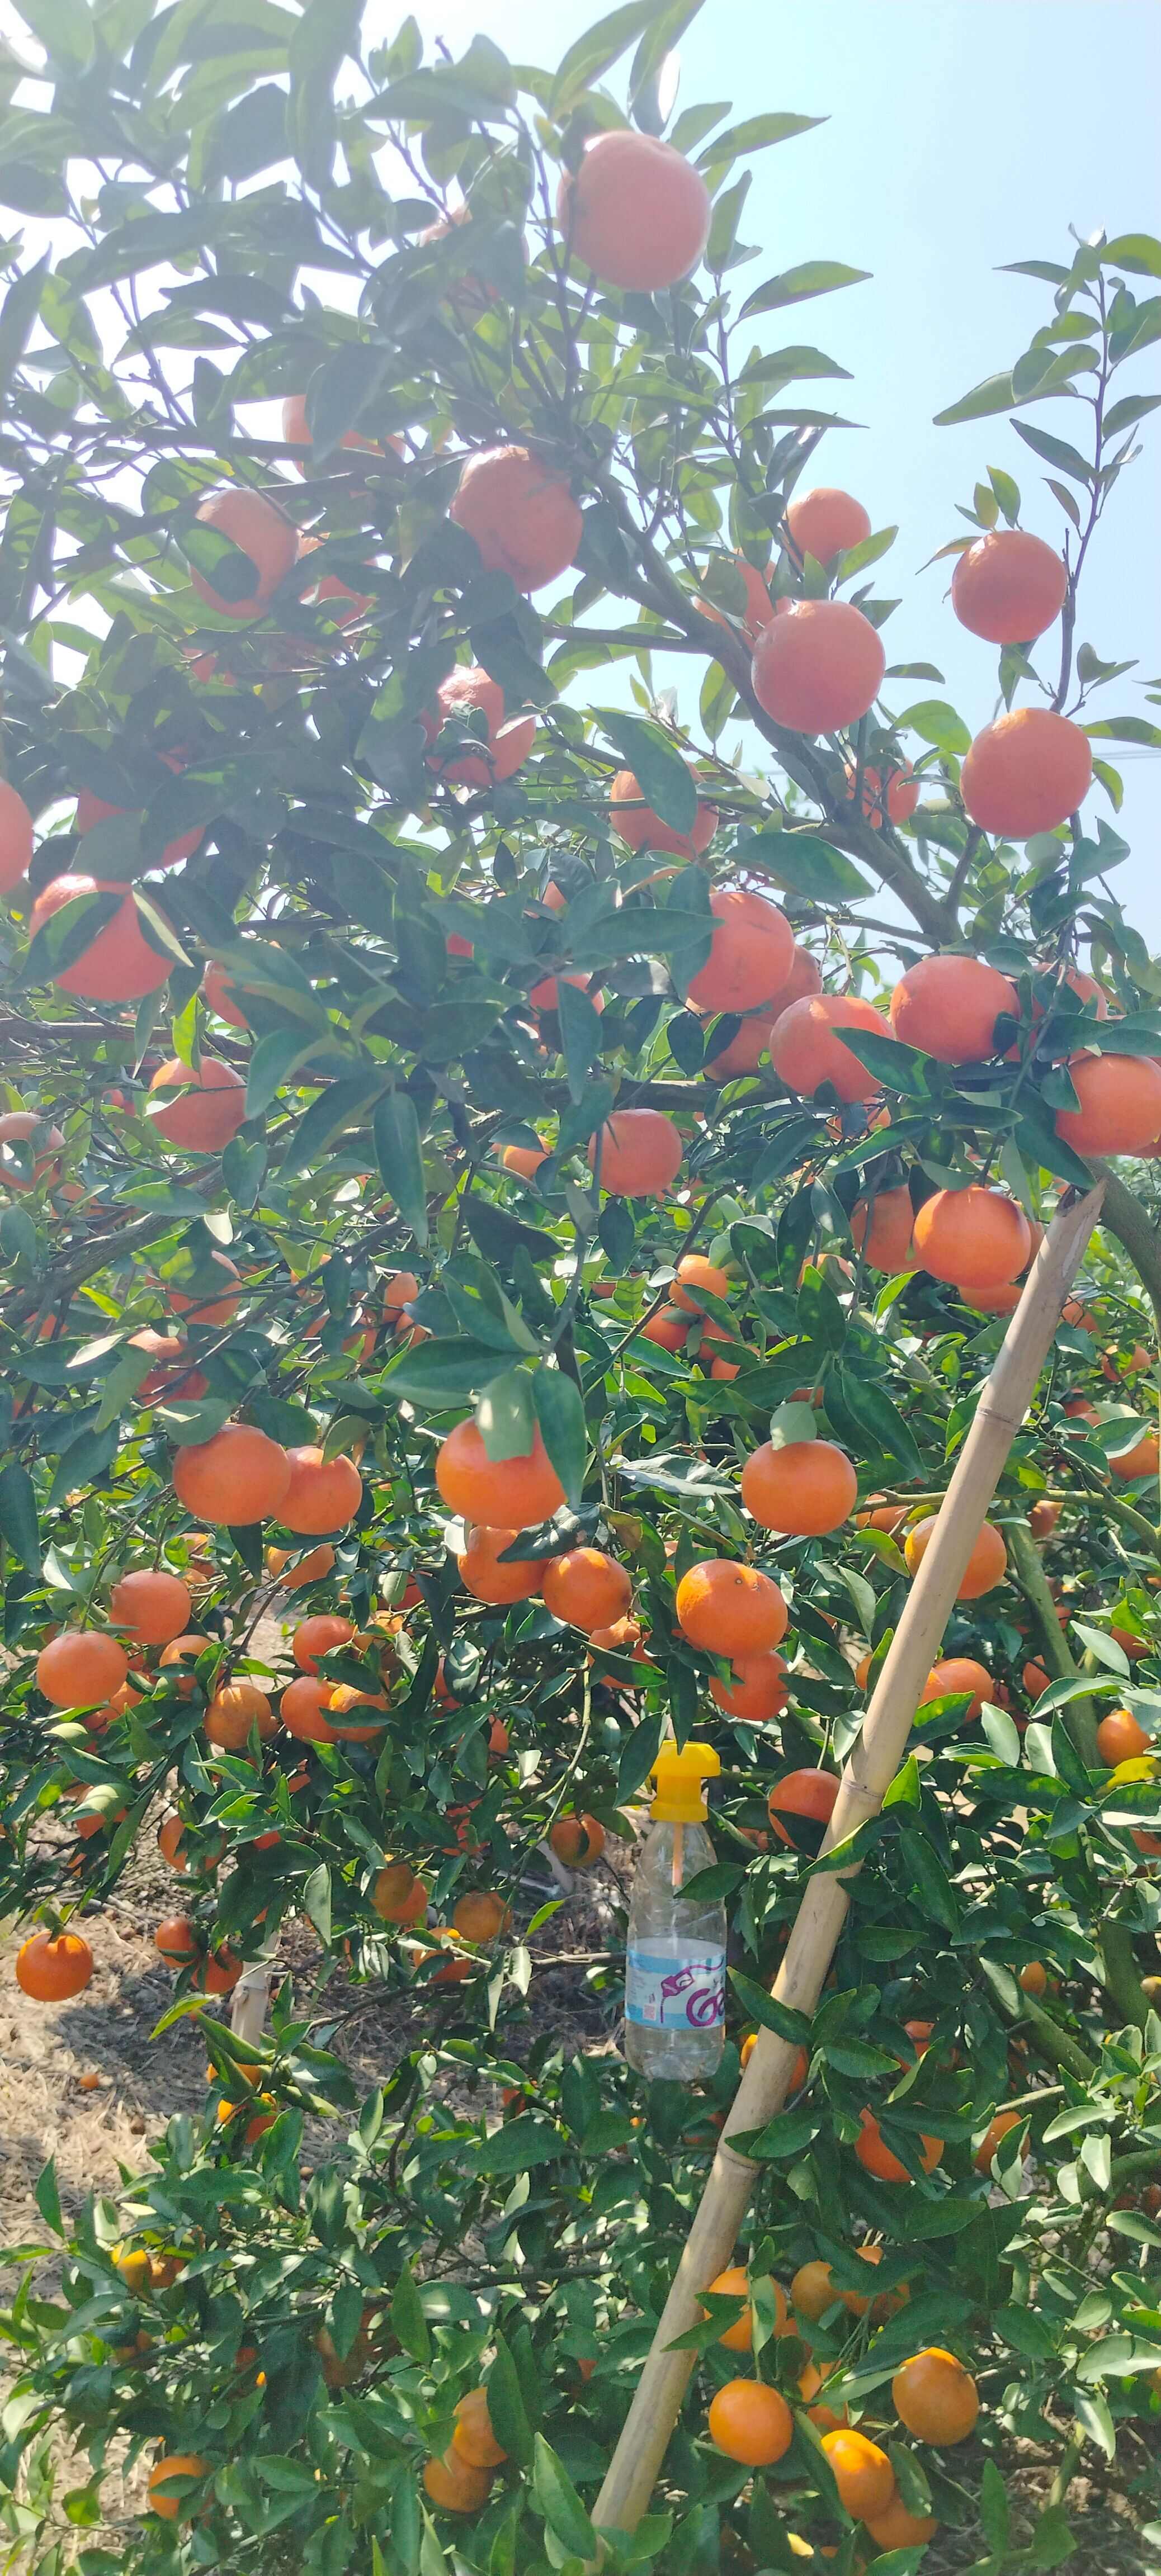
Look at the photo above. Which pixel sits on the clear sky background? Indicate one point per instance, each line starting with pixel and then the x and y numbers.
pixel 961 134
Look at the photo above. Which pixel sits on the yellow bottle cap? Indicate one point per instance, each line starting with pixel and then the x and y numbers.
pixel 679 1797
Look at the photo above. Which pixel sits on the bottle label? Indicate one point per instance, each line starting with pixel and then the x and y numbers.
pixel 671 1987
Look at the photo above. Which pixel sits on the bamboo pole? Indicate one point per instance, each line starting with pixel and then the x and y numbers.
pixel 866 1778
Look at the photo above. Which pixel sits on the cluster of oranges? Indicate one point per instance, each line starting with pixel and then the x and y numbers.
pixel 934 2395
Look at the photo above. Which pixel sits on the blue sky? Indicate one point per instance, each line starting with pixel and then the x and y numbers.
pixel 960 135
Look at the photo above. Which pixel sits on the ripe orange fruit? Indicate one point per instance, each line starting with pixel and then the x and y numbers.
pixel 750 2422
pixel 95 809
pixel 399 1895
pixel 586 1588
pixel 806 1048
pixel 642 829
pixel 303 1710
pixel 454 2485
pixel 825 523
pixel 220 994
pixel 730 1609
pixel 976 1238
pixel 16 1128
pixel 484 1576
pixel 876 2156
pixel 823 2417
pixel 503 1493
pixel 260 530
pixel 1008 587
pixel 80 1665
pixel 735 2284
pixel 466 689
pixel 758 1690
pixel 324 1494
pixel 882 1230
pixel 808 1798
pixel 902 793
pixel 959 1673
pixel 898 2529
pixel 862 2473
pixel 341 1701
pixel 803 1489
pixel 210 1109
pixel 523 1159
pixel 635 211
pixel 319 1636
pixel 758 608
pixel 207 1305
pixel 237 1477
pixel 176 1938
pixel 311 1568
pixel 1120 1104
pixel 948 1006
pixel 812 2290
pixel 172 2502
pixel 669 1328
pixel 577 1840
pixel 51 1968
pixel 1119 1738
pixel 1141 1460
pixel 296 433
pixel 151 1605
pixel 986 1565
pixel 1035 1680
pixel 935 2397
pixel 1033 1978
pixel 473 2437
pixel 523 517
pixel 750 957
pixel 818 667
pixel 1025 773
pixel 480 1916
pixel 15 837
pixel 694 1273
pixel 640 1154
pixel 234 1710
pixel 996 2130
pixel 117 964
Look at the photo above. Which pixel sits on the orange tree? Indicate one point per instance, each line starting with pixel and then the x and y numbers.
pixel 496 1267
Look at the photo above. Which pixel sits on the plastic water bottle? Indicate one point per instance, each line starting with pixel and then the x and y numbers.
pixel 675 1969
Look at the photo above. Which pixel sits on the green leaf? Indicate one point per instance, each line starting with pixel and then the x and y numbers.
pixel 580 1034
pixel 399 1154
pixel 936 722
pixel 47 2197
pixel 560 2504
pixel 18 316
pixel 507 2412
pixel 505 1415
pixel 18 1521
pixel 1140 253
pixel 560 1413
pixel 279 1054
pixel 439 1375
pixel 902 1068
pixel 995 394
pixel 326 32
pixel 407 2317
pixel 1055 451
pixel 1133 408
pixel 316 1902
pixel 812 277
pixel 761 2006
pixel 597 50
pixel 803 864
pixel 873 1409
pixel 516 2147
pixel 756 134
pixel 658 766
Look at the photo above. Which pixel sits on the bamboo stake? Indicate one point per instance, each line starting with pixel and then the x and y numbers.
pixel 867 1777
